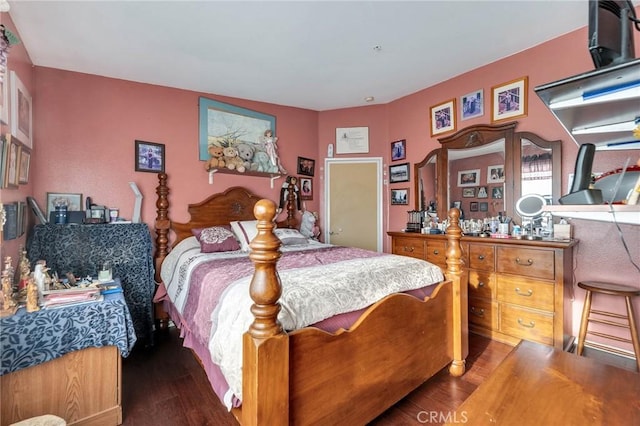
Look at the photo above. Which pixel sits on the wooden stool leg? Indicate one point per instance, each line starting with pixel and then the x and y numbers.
pixel 584 322
pixel 634 331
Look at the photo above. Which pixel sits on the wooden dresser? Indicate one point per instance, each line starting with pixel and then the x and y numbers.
pixel 518 289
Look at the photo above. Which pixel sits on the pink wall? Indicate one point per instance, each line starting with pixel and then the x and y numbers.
pixel 19 62
pixel 87 144
pixel 85 127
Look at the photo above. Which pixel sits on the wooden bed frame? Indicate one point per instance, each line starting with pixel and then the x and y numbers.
pixel 313 377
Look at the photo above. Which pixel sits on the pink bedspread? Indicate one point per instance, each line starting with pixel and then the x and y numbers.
pixel 210 279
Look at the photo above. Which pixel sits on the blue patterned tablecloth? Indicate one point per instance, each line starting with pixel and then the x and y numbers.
pixel 28 339
pixel 82 249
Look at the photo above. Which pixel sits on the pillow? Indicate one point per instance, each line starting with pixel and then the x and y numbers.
pixel 290 236
pixel 245 230
pixel 216 239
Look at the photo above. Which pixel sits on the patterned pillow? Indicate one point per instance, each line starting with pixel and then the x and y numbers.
pixel 290 236
pixel 245 230
pixel 216 239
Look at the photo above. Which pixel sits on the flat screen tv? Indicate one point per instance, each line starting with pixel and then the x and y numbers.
pixel 611 25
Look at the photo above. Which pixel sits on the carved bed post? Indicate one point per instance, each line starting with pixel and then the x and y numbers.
pixel 265 383
pixel 162 226
pixel 460 291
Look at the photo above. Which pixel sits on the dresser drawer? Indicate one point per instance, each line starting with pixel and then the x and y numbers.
pixel 481 257
pixel 412 247
pixel 525 292
pixel 526 324
pixel 526 262
pixel 482 284
pixel 484 313
pixel 437 253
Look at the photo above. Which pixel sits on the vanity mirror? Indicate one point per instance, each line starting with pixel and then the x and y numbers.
pixel 490 164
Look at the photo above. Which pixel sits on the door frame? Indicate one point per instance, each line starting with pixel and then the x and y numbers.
pixel 379 202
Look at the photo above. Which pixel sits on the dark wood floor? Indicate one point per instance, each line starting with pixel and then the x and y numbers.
pixel 166 386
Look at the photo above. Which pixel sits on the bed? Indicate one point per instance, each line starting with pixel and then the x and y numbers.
pixel 309 375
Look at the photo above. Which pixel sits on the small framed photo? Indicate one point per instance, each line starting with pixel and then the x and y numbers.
pixel 400 196
pixel 484 206
pixel 495 174
pixel 149 157
pixel 12 163
pixel 473 206
pixel 468 192
pixel 25 162
pixel 469 177
pixel 399 150
pixel 443 117
pixel 21 111
pixel 72 201
pixel 472 105
pixel 4 105
pixel 482 192
pixel 457 205
pixel 509 100
pixel 399 173
pixel 306 166
pixel 497 192
pixel 306 188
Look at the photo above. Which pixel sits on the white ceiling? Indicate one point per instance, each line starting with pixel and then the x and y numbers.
pixel 318 55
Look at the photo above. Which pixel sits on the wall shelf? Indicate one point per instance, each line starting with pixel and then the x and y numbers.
pixel 600 212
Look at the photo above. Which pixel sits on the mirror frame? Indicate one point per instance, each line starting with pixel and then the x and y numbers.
pixel 556 162
pixel 471 137
pixel 416 174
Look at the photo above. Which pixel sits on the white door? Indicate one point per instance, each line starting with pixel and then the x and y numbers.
pixel 353 202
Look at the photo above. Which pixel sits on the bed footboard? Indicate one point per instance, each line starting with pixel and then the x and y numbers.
pixel 310 376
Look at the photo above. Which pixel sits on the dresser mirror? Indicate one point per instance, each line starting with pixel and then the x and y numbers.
pixel 486 168
pixel 426 173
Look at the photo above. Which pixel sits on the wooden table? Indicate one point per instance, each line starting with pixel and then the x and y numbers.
pixel 539 385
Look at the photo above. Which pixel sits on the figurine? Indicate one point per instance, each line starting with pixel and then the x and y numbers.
pixel 8 304
pixel 269 143
pixel 32 296
pixel 25 270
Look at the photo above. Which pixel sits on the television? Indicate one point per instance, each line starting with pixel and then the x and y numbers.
pixel 611 24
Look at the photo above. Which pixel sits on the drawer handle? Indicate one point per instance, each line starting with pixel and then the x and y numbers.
pixel 527 294
pixel 436 252
pixel 528 263
pixel 477 312
pixel 481 284
pixel 408 249
pixel 530 325
pixel 481 257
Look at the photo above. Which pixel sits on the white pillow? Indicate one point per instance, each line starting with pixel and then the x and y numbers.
pixel 246 231
pixel 290 236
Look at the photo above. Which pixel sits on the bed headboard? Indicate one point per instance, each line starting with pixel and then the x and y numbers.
pixel 233 204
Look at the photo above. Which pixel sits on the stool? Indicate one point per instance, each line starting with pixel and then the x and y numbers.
pixel 613 290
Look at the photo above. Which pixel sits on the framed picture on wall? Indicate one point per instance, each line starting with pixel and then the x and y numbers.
pixel 400 196
pixel 495 174
pixel 306 166
pixel 472 105
pixel 469 177
pixel 468 192
pixel 399 173
pixel 4 105
pixel 21 111
pixel 484 206
pixel 12 163
pixel 482 192
pixel 25 162
pixel 149 157
pixel 509 100
pixel 443 117
pixel 398 150
pixel 473 206
pixel 306 188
